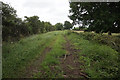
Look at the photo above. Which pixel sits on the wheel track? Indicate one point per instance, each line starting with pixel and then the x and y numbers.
pixel 70 63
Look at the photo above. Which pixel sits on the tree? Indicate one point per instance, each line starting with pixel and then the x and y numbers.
pixel 48 26
pixel 8 21
pixel 100 17
pixel 59 26
pixel 67 25
pixel 34 24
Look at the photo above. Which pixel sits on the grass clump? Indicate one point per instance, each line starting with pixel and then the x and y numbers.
pixel 100 61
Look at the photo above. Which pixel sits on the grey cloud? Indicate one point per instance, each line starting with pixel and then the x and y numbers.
pixel 48 10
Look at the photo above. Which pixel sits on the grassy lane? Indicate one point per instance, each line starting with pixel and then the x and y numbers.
pixel 16 56
pixel 58 54
pixel 51 64
pixel 99 60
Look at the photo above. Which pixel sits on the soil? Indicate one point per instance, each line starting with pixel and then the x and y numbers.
pixel 70 63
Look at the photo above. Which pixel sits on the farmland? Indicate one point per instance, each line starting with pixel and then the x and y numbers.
pixel 60 54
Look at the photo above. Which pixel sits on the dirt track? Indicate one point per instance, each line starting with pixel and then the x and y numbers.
pixel 70 64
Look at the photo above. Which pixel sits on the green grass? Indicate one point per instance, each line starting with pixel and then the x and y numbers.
pixel 17 55
pixel 100 61
pixel 112 41
pixel 52 59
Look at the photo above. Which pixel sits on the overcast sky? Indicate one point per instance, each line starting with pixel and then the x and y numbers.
pixel 53 11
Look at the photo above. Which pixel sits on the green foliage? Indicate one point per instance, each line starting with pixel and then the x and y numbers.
pixel 52 58
pixel 59 26
pixel 97 58
pixel 67 25
pixel 79 28
pixel 100 17
pixel 16 56
pixel 33 23
pixel 8 20
pixel 113 42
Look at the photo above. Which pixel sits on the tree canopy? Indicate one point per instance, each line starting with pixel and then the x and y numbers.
pixel 59 26
pixel 99 16
pixel 67 25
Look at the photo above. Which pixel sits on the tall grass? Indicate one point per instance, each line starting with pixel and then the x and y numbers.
pixel 17 55
pixel 100 61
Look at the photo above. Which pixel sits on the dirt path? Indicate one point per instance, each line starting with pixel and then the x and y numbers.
pixel 35 65
pixel 70 64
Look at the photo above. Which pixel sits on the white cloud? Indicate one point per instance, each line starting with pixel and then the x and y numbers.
pixel 48 10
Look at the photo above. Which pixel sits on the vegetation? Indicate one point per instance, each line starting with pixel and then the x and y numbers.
pixel 99 16
pixel 79 29
pixel 97 58
pixel 59 26
pixel 51 64
pixel 67 25
pixel 112 41
pixel 36 49
pixel 15 28
pixel 23 51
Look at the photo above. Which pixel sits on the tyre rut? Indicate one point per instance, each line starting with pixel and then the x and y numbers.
pixel 70 63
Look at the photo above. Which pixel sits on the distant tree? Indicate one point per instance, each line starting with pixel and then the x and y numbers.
pixel 42 27
pixel 67 25
pixel 48 26
pixel 59 26
pixel 53 28
pixel 34 24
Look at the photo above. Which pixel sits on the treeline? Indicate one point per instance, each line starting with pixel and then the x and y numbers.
pixel 99 16
pixel 15 28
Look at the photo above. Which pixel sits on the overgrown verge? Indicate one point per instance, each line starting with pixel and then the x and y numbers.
pixel 112 41
pixel 99 61
pixel 16 56
pixel 50 67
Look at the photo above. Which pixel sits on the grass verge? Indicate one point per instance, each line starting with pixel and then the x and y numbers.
pixel 100 61
pixel 16 56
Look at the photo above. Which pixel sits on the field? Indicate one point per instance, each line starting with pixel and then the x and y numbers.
pixel 62 54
